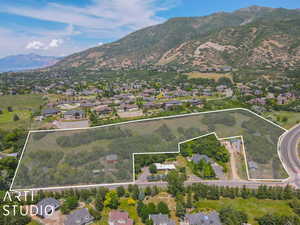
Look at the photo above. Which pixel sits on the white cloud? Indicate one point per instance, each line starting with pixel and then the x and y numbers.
pixel 102 19
pixel 35 45
pixel 39 45
pixel 55 43
pixel 105 15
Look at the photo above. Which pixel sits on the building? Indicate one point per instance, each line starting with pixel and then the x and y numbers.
pixel 46 206
pixel 74 114
pixel 210 218
pixel 161 219
pixel 112 158
pixel 119 218
pixel 50 112
pixel 79 217
pixel 160 166
pixel 198 157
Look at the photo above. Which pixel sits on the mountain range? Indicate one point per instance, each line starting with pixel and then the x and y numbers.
pixel 26 62
pixel 249 38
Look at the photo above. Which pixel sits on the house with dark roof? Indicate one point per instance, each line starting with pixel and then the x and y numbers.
pixel 172 104
pixel 74 114
pixel 198 157
pixel 119 218
pixel 47 206
pixel 201 218
pixel 79 217
pixel 50 112
pixel 161 219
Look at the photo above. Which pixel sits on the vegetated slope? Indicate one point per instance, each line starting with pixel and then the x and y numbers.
pixel 25 62
pixel 250 37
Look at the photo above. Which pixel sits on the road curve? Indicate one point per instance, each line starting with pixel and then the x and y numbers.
pixel 288 149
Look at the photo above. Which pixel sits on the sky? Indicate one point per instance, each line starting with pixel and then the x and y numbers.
pixel 62 27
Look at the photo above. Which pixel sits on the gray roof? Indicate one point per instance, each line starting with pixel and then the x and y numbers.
pixel 43 206
pixel 74 112
pixel 197 158
pixel 50 111
pixel 211 218
pixel 112 157
pixel 161 219
pixel 79 217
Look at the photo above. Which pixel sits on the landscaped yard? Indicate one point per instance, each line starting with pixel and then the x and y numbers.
pixel 253 207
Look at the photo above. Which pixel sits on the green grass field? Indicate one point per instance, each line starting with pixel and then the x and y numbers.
pixel 22 105
pixel 293 118
pixel 253 207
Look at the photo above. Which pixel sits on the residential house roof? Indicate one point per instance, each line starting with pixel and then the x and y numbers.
pixel 119 218
pixel 161 219
pixel 43 206
pixel 210 218
pixel 198 157
pixel 79 217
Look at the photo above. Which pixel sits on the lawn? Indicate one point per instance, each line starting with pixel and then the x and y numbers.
pixel 253 207
pixel 21 101
pixel 215 76
pixel 293 118
pixel 7 122
pixel 22 105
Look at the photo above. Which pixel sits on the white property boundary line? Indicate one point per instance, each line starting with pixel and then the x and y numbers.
pixel 135 121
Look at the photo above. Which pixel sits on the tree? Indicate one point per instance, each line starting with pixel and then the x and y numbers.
pixel 163 208
pixel 175 183
pixel 120 191
pixel 230 216
pixel 152 168
pixel 180 209
pixel 111 199
pixel 16 117
pixel 69 204
pixel 99 202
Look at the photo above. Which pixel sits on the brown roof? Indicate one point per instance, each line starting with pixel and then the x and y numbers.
pixel 118 217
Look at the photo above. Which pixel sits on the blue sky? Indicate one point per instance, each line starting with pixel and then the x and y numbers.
pixel 62 27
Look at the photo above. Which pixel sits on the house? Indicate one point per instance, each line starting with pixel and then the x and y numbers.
pixel 201 218
pixel 172 104
pixel 103 109
pixel 197 158
pixel 119 218
pixel 161 219
pixel 47 206
pixel 112 158
pixel 79 217
pixel 160 166
pixel 195 102
pixel 50 112
pixel 74 114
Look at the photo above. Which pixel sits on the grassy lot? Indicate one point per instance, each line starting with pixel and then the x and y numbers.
pixel 215 76
pixel 21 101
pixel 22 105
pixel 292 118
pixel 253 207
pixel 7 122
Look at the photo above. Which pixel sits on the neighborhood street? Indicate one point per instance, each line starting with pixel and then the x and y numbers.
pixel 288 149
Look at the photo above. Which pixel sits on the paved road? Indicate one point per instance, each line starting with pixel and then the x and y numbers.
pixel 289 154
